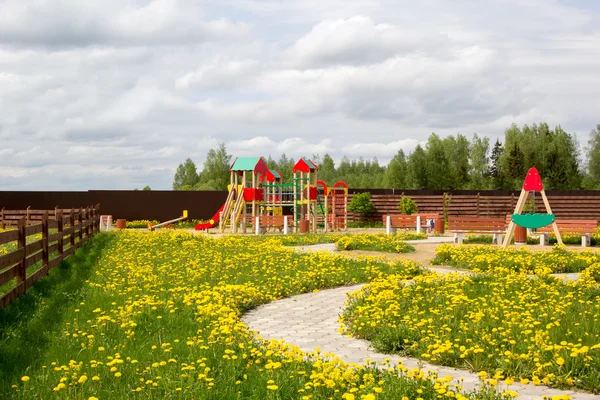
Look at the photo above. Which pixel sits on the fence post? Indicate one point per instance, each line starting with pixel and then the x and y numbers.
pixel 388 225
pixel 28 221
pixel 418 224
pixel 89 229
pixel 80 220
pixel 72 222
pixel 45 255
pixel 96 219
pixel 286 228
pixel 88 218
pixel 478 195
pixel 257 225
pixel 21 244
pixel 59 221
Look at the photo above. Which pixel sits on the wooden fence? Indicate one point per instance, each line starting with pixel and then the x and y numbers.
pixel 62 232
pixel 579 205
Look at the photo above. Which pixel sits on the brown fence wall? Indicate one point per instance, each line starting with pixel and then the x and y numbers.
pixel 158 205
pixel 571 204
pixel 163 205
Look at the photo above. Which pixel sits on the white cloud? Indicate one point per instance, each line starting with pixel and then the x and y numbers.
pixel 115 94
pixel 218 73
pixel 67 23
pixel 358 40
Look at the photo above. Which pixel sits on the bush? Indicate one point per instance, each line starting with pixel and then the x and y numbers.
pixel 408 206
pixel 361 205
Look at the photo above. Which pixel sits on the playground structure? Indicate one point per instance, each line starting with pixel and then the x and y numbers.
pixel 257 192
pixel 533 183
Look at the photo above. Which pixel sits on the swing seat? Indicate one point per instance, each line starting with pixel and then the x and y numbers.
pixel 533 221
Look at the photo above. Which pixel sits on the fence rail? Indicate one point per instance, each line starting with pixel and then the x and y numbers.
pixel 579 205
pixel 62 232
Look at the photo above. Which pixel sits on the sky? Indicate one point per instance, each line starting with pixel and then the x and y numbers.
pixel 114 94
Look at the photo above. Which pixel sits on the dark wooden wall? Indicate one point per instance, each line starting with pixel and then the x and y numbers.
pixel 158 205
pixel 571 204
pixel 167 204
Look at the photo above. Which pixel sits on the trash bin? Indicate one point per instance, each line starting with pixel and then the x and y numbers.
pixel 303 226
pixel 438 226
pixel 520 234
pixel 121 223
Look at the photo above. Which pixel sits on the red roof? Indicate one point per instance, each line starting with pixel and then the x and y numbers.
pixel 305 165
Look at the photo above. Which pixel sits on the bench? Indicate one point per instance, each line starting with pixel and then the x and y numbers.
pixel 585 227
pixel 463 225
pixel 273 221
pixel 402 221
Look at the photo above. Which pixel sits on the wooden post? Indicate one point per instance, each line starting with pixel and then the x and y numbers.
pixel 72 222
pixel 21 244
pixel 28 221
pixel 80 220
pixel 45 255
pixel 59 221
pixel 518 209
pixel 295 189
pixel 96 218
pixel 478 195
pixel 243 203
pixel 253 194
pixel 549 211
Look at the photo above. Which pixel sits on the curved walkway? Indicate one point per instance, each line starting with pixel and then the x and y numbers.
pixel 310 321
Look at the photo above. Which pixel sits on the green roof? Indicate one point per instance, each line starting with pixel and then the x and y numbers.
pixel 275 174
pixel 245 163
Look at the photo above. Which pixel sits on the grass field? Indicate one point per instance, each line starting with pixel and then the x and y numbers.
pixel 140 315
pixel 482 258
pixel 538 329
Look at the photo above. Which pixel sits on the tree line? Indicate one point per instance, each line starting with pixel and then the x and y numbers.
pixel 450 163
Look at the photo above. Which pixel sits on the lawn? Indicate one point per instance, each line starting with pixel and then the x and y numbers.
pixel 157 315
pixel 497 259
pixel 513 327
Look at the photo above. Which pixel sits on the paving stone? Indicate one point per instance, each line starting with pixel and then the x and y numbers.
pixel 314 324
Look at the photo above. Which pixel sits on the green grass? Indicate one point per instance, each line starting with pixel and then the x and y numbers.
pixel 365 224
pixel 537 328
pixel 29 324
pixel 160 312
pixel 383 243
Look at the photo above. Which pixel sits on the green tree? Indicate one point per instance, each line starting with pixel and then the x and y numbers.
pixel 285 166
pixel 516 166
pixel 417 169
pixel 395 175
pixel 186 176
pixel 439 174
pixel 361 205
pixel 479 163
pixel 147 187
pixel 496 171
pixel 215 171
pixel 327 172
pixel 593 158
pixel 457 154
pixel 408 206
pixel 562 161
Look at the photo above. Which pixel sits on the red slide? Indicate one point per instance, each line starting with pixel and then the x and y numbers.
pixel 214 221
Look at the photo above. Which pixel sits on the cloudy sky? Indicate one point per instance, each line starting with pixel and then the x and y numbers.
pixel 113 94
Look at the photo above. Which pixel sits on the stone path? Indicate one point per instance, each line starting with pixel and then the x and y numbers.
pixel 310 321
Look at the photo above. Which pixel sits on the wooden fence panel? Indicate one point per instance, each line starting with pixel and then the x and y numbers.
pixel 14 265
pixel 576 206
